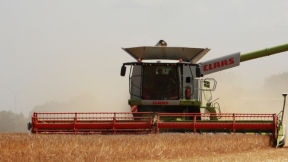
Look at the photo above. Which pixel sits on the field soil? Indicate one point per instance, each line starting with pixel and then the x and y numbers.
pixel 160 147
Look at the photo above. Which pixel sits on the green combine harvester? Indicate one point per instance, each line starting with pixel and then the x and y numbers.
pixel 167 94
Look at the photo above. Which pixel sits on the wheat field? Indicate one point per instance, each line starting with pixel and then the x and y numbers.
pixel 153 147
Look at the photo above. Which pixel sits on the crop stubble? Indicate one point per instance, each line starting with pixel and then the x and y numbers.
pixel 168 147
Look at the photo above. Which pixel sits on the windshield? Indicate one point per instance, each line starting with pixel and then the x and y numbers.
pixel 160 82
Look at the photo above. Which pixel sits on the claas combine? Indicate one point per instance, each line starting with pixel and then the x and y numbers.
pixel 168 93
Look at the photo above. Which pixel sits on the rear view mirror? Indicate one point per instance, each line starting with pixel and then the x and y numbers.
pixel 123 70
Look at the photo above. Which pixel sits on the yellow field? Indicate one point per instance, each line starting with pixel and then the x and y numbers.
pixel 167 147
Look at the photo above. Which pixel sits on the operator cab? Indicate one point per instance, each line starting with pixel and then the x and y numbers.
pixel 160 82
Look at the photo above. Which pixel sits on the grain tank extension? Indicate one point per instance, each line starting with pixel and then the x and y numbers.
pixel 168 93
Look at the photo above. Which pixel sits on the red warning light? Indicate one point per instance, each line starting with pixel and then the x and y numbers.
pixel 188 93
pixel 139 60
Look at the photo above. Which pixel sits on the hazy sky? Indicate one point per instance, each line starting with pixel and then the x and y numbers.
pixel 55 50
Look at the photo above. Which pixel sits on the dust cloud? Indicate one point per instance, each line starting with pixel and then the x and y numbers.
pixel 12 122
pixel 237 96
pixel 81 103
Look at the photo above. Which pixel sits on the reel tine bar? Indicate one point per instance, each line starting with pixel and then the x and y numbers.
pixel 149 122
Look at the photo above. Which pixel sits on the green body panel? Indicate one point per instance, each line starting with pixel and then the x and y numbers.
pixel 134 102
pixel 280 136
pixel 211 109
pixel 190 103
pixel 263 52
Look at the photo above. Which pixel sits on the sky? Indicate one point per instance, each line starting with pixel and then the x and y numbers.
pixel 65 50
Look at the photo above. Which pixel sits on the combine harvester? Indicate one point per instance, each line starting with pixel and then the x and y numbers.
pixel 169 97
